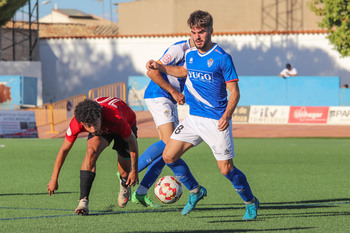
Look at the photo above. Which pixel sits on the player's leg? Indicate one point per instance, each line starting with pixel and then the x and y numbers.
pixel 171 156
pixel 95 145
pixel 165 116
pixel 165 130
pixel 124 167
pixel 183 138
pixel 140 196
pixel 237 178
pixel 154 170
pixel 221 143
pixel 240 183
pixel 151 153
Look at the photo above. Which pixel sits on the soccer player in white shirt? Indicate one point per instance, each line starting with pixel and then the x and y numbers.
pixel 161 97
pixel 209 70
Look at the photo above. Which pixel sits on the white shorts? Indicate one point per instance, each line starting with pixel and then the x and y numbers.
pixel 163 111
pixel 196 129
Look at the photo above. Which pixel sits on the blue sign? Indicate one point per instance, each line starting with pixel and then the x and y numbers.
pixel 137 86
pixel 10 87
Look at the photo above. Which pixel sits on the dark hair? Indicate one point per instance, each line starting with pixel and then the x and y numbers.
pixel 288 66
pixel 88 112
pixel 200 19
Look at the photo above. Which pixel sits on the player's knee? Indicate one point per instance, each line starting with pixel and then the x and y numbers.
pixel 224 171
pixel 226 167
pixel 167 158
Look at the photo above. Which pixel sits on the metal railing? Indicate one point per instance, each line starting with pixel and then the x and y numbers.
pixel 63 110
pixel 115 90
pixel 55 113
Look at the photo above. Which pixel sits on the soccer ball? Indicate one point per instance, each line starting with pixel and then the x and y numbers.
pixel 168 189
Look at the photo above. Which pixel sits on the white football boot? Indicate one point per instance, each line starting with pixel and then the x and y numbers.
pixel 124 195
pixel 83 207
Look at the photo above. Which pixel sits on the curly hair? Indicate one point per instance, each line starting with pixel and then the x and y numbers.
pixel 200 19
pixel 88 112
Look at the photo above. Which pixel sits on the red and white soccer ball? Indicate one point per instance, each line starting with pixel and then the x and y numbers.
pixel 168 189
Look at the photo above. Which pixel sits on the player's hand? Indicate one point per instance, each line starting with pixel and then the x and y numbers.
pixel 223 123
pixel 133 178
pixel 52 186
pixel 178 97
pixel 152 65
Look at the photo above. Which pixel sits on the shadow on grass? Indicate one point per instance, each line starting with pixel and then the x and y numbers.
pixel 299 205
pixel 33 194
pixel 236 230
pixel 312 204
pixel 309 201
pixel 295 202
pixel 307 215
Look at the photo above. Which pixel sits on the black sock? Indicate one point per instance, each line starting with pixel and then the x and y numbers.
pixel 86 179
pixel 123 182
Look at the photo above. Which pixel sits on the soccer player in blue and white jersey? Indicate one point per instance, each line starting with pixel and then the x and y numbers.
pixel 209 70
pixel 161 97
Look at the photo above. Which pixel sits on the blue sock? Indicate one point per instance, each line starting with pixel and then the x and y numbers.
pixel 183 173
pixel 151 153
pixel 240 183
pixel 152 173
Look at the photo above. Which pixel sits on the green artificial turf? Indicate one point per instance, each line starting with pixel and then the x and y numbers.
pixel 303 185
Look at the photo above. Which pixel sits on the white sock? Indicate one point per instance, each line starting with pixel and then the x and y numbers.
pixel 196 189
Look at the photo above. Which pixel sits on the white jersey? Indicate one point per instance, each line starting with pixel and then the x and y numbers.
pixel 208 73
pixel 174 56
pixel 287 73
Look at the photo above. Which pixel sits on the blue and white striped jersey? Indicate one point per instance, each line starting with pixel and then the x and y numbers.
pixel 208 73
pixel 174 56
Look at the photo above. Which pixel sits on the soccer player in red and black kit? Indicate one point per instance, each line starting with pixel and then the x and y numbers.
pixel 106 119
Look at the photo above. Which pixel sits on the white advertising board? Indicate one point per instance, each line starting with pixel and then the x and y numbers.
pixel 339 116
pixel 18 124
pixel 260 114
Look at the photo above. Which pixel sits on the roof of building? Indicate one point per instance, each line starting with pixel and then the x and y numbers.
pixel 69 23
pixel 74 13
pixel 188 34
pixel 80 31
pixel 64 30
pixel 73 16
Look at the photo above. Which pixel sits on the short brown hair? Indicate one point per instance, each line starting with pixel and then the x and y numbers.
pixel 200 19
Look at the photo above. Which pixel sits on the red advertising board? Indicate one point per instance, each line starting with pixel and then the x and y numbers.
pixel 308 115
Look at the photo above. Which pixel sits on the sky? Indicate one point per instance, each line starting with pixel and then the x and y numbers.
pixel 102 8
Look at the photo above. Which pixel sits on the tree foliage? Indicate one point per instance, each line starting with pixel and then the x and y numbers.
pixel 8 8
pixel 336 19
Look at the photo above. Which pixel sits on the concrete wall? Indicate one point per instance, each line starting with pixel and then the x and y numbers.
pixel 74 66
pixel 267 90
pixel 344 97
pixel 170 16
pixel 293 91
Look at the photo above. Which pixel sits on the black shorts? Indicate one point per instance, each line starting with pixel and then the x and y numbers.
pixel 120 145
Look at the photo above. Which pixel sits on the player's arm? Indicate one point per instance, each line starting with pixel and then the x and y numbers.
pixel 231 105
pixel 156 76
pixel 176 71
pixel 133 177
pixel 283 73
pixel 60 158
